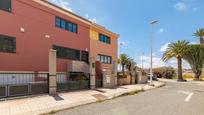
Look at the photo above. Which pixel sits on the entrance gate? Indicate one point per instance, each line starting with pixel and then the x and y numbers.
pixel 99 75
pixel 72 81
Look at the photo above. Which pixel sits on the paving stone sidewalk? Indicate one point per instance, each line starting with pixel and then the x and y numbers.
pixel 45 103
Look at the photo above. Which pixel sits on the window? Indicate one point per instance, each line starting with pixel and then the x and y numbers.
pixel 7 44
pixel 109 59
pixel 67 53
pixel 85 56
pixel 105 59
pixel 66 25
pixel 104 38
pixel 63 24
pixel 58 21
pixel 5 5
pixel 74 28
pixel 70 27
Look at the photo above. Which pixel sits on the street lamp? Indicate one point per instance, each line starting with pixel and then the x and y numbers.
pixel 151 40
pixel 121 44
pixel 142 60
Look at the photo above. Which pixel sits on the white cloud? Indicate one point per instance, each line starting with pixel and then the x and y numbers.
pixel 195 9
pixel 180 6
pixel 164 47
pixel 173 63
pixel 63 4
pixel 161 30
pixel 87 15
pixel 157 62
pixel 192 43
pixel 94 20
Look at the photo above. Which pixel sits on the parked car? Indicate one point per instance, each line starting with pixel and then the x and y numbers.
pixel 154 77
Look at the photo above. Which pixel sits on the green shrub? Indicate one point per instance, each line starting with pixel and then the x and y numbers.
pixel 164 72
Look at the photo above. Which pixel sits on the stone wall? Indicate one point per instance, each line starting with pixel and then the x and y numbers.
pixel 124 80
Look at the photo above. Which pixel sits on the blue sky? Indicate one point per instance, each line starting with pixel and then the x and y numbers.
pixel 178 19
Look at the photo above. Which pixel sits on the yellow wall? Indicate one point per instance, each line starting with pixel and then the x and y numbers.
pixel 94 34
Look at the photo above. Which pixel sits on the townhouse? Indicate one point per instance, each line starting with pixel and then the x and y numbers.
pixel 30 28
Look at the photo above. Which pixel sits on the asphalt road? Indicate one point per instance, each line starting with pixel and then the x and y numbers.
pixel 173 99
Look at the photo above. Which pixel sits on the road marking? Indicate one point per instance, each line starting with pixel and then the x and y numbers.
pixel 190 94
pixel 189 97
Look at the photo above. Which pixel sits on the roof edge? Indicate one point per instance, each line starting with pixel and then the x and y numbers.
pixel 80 17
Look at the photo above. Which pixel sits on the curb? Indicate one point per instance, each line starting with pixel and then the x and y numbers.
pixel 125 93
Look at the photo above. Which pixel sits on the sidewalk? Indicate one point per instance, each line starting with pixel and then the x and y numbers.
pixel 188 81
pixel 46 103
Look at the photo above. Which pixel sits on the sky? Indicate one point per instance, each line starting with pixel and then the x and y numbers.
pixel 177 20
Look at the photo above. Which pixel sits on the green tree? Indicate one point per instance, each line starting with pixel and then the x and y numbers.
pixel 123 59
pixel 195 57
pixel 200 33
pixel 178 51
pixel 164 72
pixel 130 62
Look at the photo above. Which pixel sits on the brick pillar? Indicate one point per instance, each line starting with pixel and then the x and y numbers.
pixel 92 66
pixel 133 77
pixel 139 77
pixel 114 72
pixel 52 72
pixel 133 73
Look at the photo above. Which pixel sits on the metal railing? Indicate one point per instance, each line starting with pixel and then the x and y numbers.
pixel 21 84
pixel 72 81
pixel 98 83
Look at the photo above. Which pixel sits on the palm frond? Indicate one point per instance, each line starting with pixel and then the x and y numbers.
pixel 195 57
pixel 176 49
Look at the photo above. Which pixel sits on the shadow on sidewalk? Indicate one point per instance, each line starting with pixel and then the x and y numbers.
pixel 57 98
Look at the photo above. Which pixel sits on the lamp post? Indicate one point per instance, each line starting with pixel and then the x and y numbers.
pixel 151 41
pixel 142 61
pixel 121 44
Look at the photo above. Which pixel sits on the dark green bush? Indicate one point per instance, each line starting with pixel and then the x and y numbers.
pixel 164 72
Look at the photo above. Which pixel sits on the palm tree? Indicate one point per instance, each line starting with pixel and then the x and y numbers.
pixel 178 51
pixel 200 33
pixel 123 60
pixel 195 57
pixel 130 62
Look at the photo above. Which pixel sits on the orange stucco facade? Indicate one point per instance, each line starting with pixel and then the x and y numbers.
pixel 37 19
pixel 97 47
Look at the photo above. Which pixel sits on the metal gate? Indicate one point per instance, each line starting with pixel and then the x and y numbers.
pixel 72 81
pixel 22 84
pixel 99 75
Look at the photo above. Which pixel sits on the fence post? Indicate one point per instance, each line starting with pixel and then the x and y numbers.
pixel 133 73
pixel 52 72
pixel 92 67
